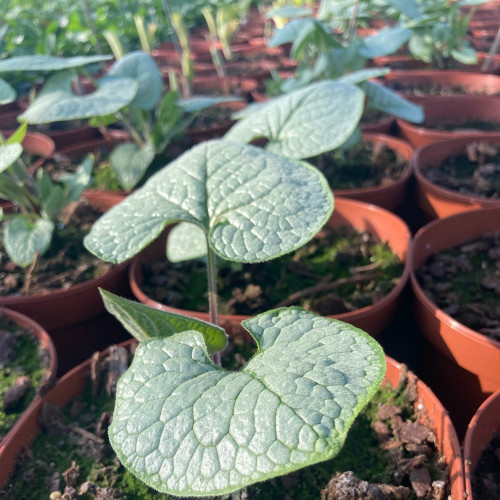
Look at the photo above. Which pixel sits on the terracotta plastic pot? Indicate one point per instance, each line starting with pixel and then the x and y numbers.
pixel 362 216
pixel 383 126
pixel 35 144
pixel 479 433
pixel 455 110
pixel 73 383
pixel 436 200
pixel 13 440
pixel 471 83
pixel 390 195
pixel 476 356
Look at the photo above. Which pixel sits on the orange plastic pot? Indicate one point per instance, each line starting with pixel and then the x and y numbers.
pixel 363 217
pixel 453 110
pixel 469 362
pixel 73 383
pixel 479 433
pixel 471 83
pixel 35 144
pixel 14 439
pixel 435 200
pixel 391 195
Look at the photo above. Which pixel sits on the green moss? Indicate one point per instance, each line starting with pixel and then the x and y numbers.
pixel 27 362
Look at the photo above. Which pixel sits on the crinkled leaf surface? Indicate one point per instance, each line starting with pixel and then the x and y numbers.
pixel 186 241
pixel 187 427
pixel 386 100
pixel 142 68
pixel 9 153
pixel 23 239
pixel 7 92
pixel 306 122
pixel 254 205
pixel 48 63
pixel 145 323
pixel 57 102
pixel 130 162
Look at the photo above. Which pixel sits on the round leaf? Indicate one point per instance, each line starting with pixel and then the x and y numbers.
pixel 187 427
pixel 57 102
pixel 253 205
pixel 142 68
pixel 9 153
pixel 306 122
pixel 130 162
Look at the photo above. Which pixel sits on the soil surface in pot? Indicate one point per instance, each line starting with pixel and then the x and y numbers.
pixel 445 124
pixel 336 272
pixel 65 263
pixel 386 445
pixel 365 165
pixel 486 475
pixel 23 364
pixel 475 172
pixel 372 115
pixel 465 283
pixel 433 89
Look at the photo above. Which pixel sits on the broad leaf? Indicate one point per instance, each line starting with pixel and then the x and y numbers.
pixel 254 205
pixel 47 63
pixel 465 55
pixel 130 162
pixel 141 67
pixel 57 102
pixel 187 427
pixel 409 8
pixel 17 137
pixel 385 42
pixel 75 183
pixel 7 92
pixel 186 241
pixel 420 47
pixel 146 323
pixel 9 153
pixel 362 75
pixel 289 32
pixel 386 100
pixel 23 239
pixel 54 203
pixel 306 122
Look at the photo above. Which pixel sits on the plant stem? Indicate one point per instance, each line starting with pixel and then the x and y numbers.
pixel 351 30
pixel 90 21
pixel 212 293
pixel 492 51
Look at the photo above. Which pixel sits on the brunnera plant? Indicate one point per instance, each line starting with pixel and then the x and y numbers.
pixel 182 423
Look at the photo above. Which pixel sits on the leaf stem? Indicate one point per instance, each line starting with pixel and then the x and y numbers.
pixel 212 292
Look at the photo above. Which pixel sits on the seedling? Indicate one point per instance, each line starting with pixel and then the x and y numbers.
pixel 182 423
pixel 40 201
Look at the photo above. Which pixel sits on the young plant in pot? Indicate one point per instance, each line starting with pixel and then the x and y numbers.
pixel 286 409
pixel 149 118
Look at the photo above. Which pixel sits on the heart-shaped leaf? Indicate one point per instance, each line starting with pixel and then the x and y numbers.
pixel 187 427
pixel 386 100
pixel 57 102
pixel 7 92
pixel 47 63
pixel 254 205
pixel 146 323
pixel 306 122
pixel 130 162
pixel 23 239
pixel 141 67
pixel 9 153
pixel 186 241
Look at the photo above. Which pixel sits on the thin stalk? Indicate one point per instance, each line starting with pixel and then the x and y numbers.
pixel 492 52
pixel 352 21
pixel 90 21
pixel 212 293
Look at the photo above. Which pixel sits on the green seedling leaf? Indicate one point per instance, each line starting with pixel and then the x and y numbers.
pixel 141 67
pixel 54 203
pixel 306 122
pixel 289 32
pixel 409 8
pixel 199 103
pixel 420 48
pixel 465 55
pixel 186 241
pixel 9 153
pixel 363 74
pixel 187 427
pixel 75 183
pixel 23 239
pixel 385 42
pixel 19 134
pixel 386 100
pixel 130 162
pixel 7 92
pixel 288 12
pixel 47 63
pixel 57 102
pixel 253 205
pixel 146 323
